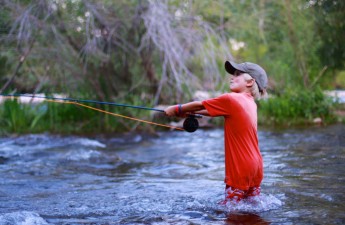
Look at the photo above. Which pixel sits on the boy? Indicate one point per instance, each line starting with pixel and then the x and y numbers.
pixel 243 160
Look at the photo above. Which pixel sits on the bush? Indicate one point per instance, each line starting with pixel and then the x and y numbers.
pixel 16 117
pixel 296 107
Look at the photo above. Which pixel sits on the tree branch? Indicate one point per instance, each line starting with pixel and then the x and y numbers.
pixel 19 65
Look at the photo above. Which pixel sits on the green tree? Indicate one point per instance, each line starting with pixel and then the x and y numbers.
pixel 330 26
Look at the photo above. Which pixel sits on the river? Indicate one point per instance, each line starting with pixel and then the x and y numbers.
pixel 170 178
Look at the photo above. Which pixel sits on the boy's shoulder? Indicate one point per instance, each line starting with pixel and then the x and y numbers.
pixel 234 94
pixel 238 97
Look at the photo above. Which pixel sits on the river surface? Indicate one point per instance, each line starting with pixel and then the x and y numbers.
pixel 172 178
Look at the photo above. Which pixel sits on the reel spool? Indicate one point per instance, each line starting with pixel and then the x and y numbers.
pixel 190 124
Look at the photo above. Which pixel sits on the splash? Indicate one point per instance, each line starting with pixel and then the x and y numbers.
pixel 261 203
pixel 32 144
pixel 23 217
pixel 81 154
pixel 88 142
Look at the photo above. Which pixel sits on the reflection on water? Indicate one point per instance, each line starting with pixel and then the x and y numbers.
pixel 245 218
pixel 175 178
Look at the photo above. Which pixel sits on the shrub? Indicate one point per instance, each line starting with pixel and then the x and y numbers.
pixel 296 107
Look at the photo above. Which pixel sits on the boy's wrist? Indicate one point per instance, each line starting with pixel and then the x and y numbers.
pixel 178 109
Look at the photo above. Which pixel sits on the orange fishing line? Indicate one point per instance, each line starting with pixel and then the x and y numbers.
pixel 107 112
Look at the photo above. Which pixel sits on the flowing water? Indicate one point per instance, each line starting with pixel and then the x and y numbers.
pixel 172 178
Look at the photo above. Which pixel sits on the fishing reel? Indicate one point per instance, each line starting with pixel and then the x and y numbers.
pixel 191 124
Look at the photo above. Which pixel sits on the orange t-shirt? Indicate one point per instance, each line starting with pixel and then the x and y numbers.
pixel 243 160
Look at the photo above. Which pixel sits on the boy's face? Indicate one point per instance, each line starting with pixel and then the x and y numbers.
pixel 237 82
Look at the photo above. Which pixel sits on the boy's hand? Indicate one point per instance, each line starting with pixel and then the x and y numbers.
pixel 174 111
pixel 170 111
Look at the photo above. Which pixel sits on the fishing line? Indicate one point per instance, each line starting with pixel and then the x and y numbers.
pixel 190 124
pixel 83 101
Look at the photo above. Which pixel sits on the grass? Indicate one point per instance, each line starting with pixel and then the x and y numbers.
pixel 297 107
pixel 65 118
pixel 293 107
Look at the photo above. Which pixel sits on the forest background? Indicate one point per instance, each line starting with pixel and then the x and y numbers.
pixel 150 53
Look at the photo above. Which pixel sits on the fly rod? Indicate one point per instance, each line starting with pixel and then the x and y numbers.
pixel 190 124
pixel 83 101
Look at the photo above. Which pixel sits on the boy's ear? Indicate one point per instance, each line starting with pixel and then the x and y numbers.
pixel 250 82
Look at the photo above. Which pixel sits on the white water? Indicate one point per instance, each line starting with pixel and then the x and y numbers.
pixel 175 178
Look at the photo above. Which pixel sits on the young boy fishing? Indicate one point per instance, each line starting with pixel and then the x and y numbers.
pixel 243 160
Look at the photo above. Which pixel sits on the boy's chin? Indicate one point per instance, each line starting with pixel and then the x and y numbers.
pixel 233 89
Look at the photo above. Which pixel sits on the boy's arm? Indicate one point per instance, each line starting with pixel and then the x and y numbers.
pixel 193 107
pixel 202 112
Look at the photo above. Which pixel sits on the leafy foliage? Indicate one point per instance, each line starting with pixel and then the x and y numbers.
pixel 330 26
pixel 66 118
pixel 159 52
pixel 297 106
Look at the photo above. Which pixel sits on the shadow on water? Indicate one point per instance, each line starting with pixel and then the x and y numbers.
pixel 244 219
pixel 175 178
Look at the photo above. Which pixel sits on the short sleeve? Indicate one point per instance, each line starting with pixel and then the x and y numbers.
pixel 218 106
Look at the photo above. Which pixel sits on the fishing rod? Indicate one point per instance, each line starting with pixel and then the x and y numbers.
pixel 190 124
pixel 82 101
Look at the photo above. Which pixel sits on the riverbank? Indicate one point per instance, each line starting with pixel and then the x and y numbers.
pixel 27 115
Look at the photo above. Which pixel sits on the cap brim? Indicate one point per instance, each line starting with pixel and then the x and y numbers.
pixel 231 67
